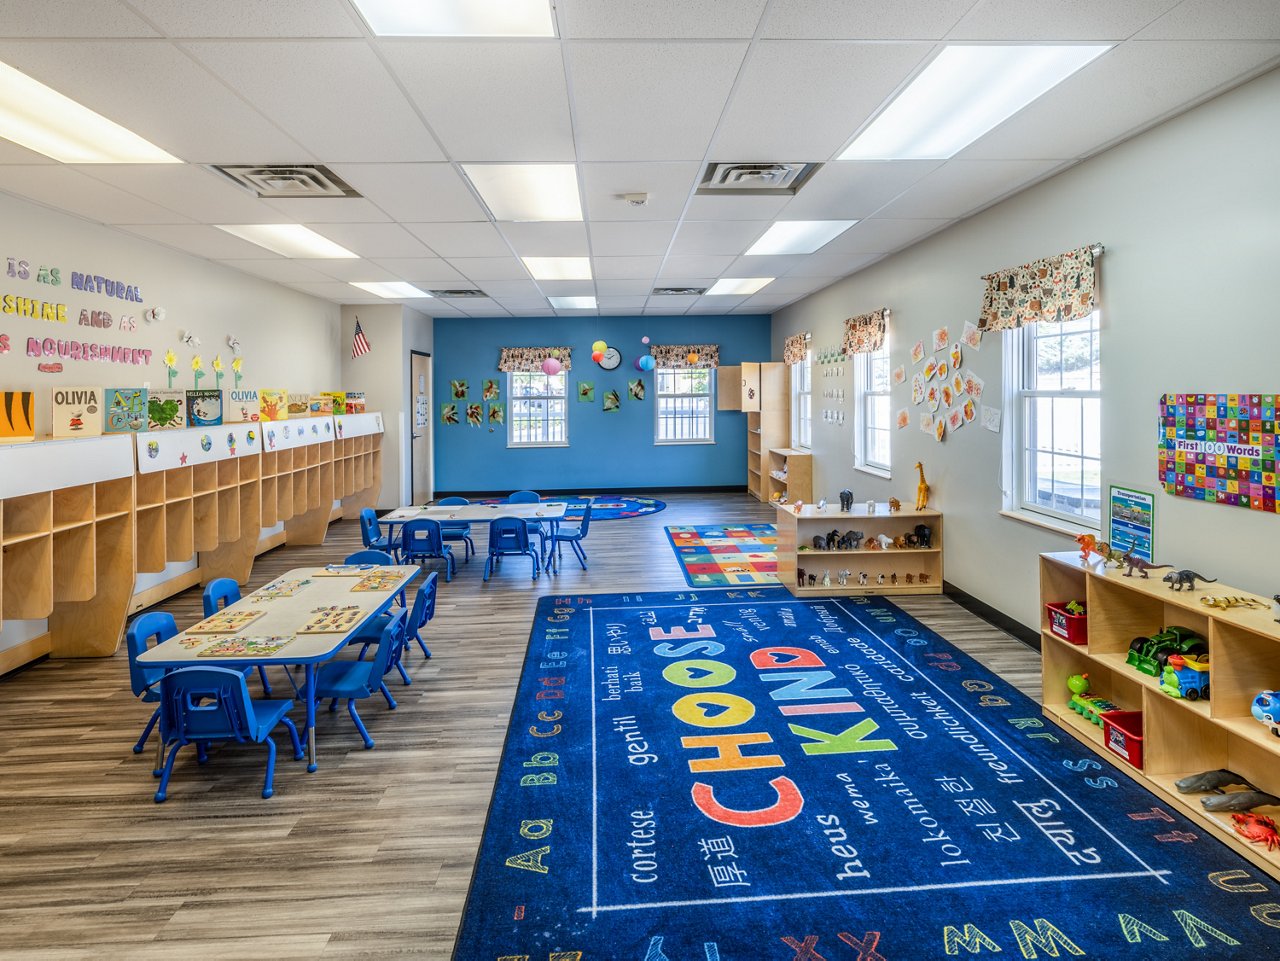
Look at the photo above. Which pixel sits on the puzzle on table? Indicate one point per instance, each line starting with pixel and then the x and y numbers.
pixel 191 643
pixel 333 620
pixel 378 581
pixel 726 556
pixel 225 622
pixel 346 570
pixel 1220 448
pixel 276 589
pixel 246 646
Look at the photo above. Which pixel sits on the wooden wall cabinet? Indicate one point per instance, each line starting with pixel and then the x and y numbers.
pixel 1180 736
pixel 768 424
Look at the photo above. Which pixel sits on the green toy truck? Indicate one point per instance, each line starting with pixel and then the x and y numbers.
pixel 1150 654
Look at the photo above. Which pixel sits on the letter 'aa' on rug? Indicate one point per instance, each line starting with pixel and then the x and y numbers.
pixel 744 776
pixel 730 555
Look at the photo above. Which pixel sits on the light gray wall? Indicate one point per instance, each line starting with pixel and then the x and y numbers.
pixel 1189 213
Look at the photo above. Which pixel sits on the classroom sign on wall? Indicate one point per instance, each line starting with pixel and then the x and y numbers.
pixel 1219 448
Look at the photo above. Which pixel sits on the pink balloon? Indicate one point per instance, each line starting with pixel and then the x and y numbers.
pixel 644 340
pixel 551 367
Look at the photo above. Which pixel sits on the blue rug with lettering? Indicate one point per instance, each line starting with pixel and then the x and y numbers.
pixel 744 776
pixel 604 507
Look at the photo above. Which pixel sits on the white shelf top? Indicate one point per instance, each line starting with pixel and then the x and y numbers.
pixel 296 432
pixel 55 464
pixel 166 449
pixel 358 425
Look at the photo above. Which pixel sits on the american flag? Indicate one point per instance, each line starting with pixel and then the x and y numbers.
pixel 359 345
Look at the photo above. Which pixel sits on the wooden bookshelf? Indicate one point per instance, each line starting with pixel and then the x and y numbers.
pixel 1180 737
pixel 763 391
pixel 787 473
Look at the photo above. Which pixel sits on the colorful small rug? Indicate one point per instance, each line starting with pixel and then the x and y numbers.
pixel 603 507
pixel 728 556
pixel 745 776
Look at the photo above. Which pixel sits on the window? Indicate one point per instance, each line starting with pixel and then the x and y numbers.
pixel 1055 372
pixel 538 410
pixel 802 401
pixel 684 412
pixel 871 413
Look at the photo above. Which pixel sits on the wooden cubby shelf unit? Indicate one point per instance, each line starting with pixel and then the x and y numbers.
pixel 763 392
pixel 798 530
pixel 1180 736
pixel 787 473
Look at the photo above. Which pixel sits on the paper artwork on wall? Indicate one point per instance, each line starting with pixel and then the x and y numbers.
pixel 497 413
pixel 934 397
pixel 957 385
pixel 612 401
pixel 17 416
pixel 900 374
pixel 77 412
pixel 126 410
pixel 166 409
pixel 973 385
pixel 991 418
pixel 204 408
pixel 917 352
pixel 273 405
pixel 970 411
pixel 926 422
pixel 449 414
pixel 491 390
pixel 930 369
pixel 972 336
pixel 955 355
pixel 939 429
pixel 917 388
pixel 635 389
pixel 475 416
pixel 941 338
pixel 1220 448
pixel 458 389
pixel 587 392
pixel 242 406
pixel 955 419
pixel 903 419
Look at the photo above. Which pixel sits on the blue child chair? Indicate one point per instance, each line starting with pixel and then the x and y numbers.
pixel 144 681
pixel 371 534
pixel 573 535
pixel 422 540
pixel 204 704
pixel 218 593
pixel 535 527
pixel 453 531
pixel 509 535
pixel 357 679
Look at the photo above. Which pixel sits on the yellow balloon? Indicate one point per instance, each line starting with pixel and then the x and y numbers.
pixel 600 346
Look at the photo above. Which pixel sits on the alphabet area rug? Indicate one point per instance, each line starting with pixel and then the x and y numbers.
pixel 744 776
pixel 730 555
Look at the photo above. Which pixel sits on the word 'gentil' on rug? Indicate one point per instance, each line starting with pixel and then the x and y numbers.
pixel 726 555
pixel 744 776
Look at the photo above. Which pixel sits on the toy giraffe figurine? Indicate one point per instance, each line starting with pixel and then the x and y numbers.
pixel 922 489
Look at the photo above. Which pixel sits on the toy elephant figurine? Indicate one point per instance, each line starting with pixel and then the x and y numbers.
pixel 833 538
pixel 846 501
pixel 924 535
pixel 819 542
pixel 851 540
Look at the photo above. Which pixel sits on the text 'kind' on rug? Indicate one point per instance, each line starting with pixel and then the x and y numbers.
pixel 744 776
pixel 727 555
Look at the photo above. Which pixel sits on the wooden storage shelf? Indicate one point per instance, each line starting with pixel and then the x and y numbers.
pixel 74 566
pixel 1180 737
pixel 114 497
pixel 27 515
pixel 204 512
pixel 178 484
pixel 179 531
pixel 204 478
pixel 228 474
pixel 150 489
pixel 787 473
pixel 28 578
pixel 73 506
pixel 151 539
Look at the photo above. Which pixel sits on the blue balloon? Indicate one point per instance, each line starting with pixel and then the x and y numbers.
pixel 647 362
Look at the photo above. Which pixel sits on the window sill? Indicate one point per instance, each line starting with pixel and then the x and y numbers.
pixel 511 446
pixel 680 443
pixel 1050 523
pixel 874 471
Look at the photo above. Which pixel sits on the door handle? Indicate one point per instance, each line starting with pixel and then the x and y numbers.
pixel 417 436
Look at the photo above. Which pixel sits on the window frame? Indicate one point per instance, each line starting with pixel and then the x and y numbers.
pixel 659 396
pixel 802 413
pixel 512 397
pixel 862 374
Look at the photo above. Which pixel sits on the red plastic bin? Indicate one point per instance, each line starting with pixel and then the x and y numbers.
pixel 1073 628
pixel 1122 733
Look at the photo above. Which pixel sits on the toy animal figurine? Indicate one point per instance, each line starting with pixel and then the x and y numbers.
pixel 1266 709
pixel 1087 543
pixel 1177 580
pixel 911 578
pixel 851 540
pixel 822 504
pixel 799 577
pixel 844 577
pixel 895 505
pixel 846 501
pixel 879 578
pixel 819 542
pixel 893 578
pixel 833 539
pixel 924 535
pixel 1109 554
pixel 900 541
pixel 885 541
pixel 862 578
pixel 1209 781
pixel 1275 607
pixel 1239 801
pixel 924 578
pixel 1230 601
pixel 813 579
pixel 1136 563
pixel 922 489
pixel 871 506
pixel 826 578
pixel 1256 829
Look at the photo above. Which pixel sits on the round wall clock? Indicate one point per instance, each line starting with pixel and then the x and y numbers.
pixel 611 359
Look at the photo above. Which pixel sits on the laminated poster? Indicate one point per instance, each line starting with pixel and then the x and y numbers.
pixel 497 414
pixel 475 415
pixel 612 402
pixel 449 414
pixel 491 390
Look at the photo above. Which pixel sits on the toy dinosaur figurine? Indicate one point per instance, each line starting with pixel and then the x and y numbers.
pixel 1222 603
pixel 1177 580
pixel 1087 544
pixel 1109 554
pixel 922 489
pixel 1136 563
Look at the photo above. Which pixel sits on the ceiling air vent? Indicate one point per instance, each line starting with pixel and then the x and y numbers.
pixel 458 293
pixel 678 291
pixel 770 179
pixel 287 182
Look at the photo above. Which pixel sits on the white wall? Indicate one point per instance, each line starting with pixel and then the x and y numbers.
pixel 1189 213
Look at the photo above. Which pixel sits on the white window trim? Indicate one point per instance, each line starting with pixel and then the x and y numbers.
pixel 861 376
pixel 797 440
pixel 657 412
pixel 517 445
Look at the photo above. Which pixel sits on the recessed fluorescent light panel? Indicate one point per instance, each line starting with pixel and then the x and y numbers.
pixel 395 290
pixel 527 192
pixel 741 286
pixel 289 240
pixel 458 18
pixel 798 236
pixel 573 303
pixel 41 119
pixel 962 94
pixel 558 268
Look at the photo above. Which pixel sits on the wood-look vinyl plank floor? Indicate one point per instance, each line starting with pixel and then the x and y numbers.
pixel 371 856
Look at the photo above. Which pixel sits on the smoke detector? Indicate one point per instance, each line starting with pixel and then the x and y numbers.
pixel 286 182
pixel 769 179
pixel 636 200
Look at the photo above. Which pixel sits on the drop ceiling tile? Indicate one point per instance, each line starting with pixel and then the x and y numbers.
pixel 840 85
pixel 159 93
pixel 632 239
pixel 344 79
pixel 626 93
pixel 792 286
pixel 622 287
pixel 329 210
pixel 690 266
pixel 462 240
pixel 1083 113
pixel 543 312
pixel 513 289
pixel 864 20
pixel 710 305
pixel 482 307
pixel 617 302
pixel 436 307
pixel 418 270
pixel 882 236
pixel 1217 20
pixel 659 19
pixel 517 304
pixel 961 187
pixel 673 301
pixel 481 269
pixel 515 109
pixel 251 18
pixel 94 19
pixel 551 239
pixel 280 270
pixel 201 240
pixel 663 311
pixel 735 207
pixel 349 270
pixel 854 189
pixel 772 265
pixel 832 266
pixel 409 192
pixel 68 189
pixel 1032 20
pixel 624 268
pixel 192 191
pixel 667 184
pixel 697 237
pixel 340 293
pixel 373 240
pixel 567 288
pixel 11 153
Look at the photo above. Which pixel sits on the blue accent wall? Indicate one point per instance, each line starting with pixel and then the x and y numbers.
pixel 605 451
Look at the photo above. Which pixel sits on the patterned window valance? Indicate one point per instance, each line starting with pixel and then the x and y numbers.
pixel 1054 289
pixel 676 356
pixel 529 359
pixel 864 334
pixel 794 348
